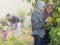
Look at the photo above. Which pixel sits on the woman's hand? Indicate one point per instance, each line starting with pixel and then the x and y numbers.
pixel 49 19
pixel 15 28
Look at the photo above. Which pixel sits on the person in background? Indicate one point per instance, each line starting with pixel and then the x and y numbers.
pixel 48 13
pixel 37 20
pixel 4 31
pixel 15 23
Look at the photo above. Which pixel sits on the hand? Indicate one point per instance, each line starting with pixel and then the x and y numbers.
pixel 47 20
pixel 15 28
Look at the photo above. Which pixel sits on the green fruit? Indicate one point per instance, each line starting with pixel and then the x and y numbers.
pixel 1 27
pixel 58 20
pixel 58 34
pixel 58 9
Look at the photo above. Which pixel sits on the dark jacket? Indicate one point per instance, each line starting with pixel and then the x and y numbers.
pixel 37 20
pixel 37 24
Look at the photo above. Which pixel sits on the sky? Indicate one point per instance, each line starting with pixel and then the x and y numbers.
pixel 11 6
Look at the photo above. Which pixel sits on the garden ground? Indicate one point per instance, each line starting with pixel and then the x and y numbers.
pixel 25 38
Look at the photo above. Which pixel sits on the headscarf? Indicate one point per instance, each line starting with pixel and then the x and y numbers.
pixel 39 5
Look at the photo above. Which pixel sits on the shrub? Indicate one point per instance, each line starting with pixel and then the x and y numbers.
pixel 0 27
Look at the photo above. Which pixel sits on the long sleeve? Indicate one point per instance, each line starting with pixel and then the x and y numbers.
pixel 37 21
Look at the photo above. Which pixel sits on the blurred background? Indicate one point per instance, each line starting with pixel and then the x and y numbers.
pixel 23 9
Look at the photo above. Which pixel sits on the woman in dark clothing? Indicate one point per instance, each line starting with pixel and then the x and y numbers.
pixel 48 13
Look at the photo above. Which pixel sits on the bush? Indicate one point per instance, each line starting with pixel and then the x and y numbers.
pixel 0 27
pixel 55 33
pixel 55 36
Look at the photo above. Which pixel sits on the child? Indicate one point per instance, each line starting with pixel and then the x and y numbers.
pixel 4 31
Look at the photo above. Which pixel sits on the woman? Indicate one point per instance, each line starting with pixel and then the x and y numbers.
pixel 48 13
pixel 37 24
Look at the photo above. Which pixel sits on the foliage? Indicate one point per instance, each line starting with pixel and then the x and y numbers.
pixel 34 3
pixel 0 27
pixel 25 39
pixel 48 24
pixel 22 14
pixel 55 31
pixel 55 36
pixel 28 0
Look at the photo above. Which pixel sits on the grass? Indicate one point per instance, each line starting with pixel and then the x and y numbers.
pixel 25 38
